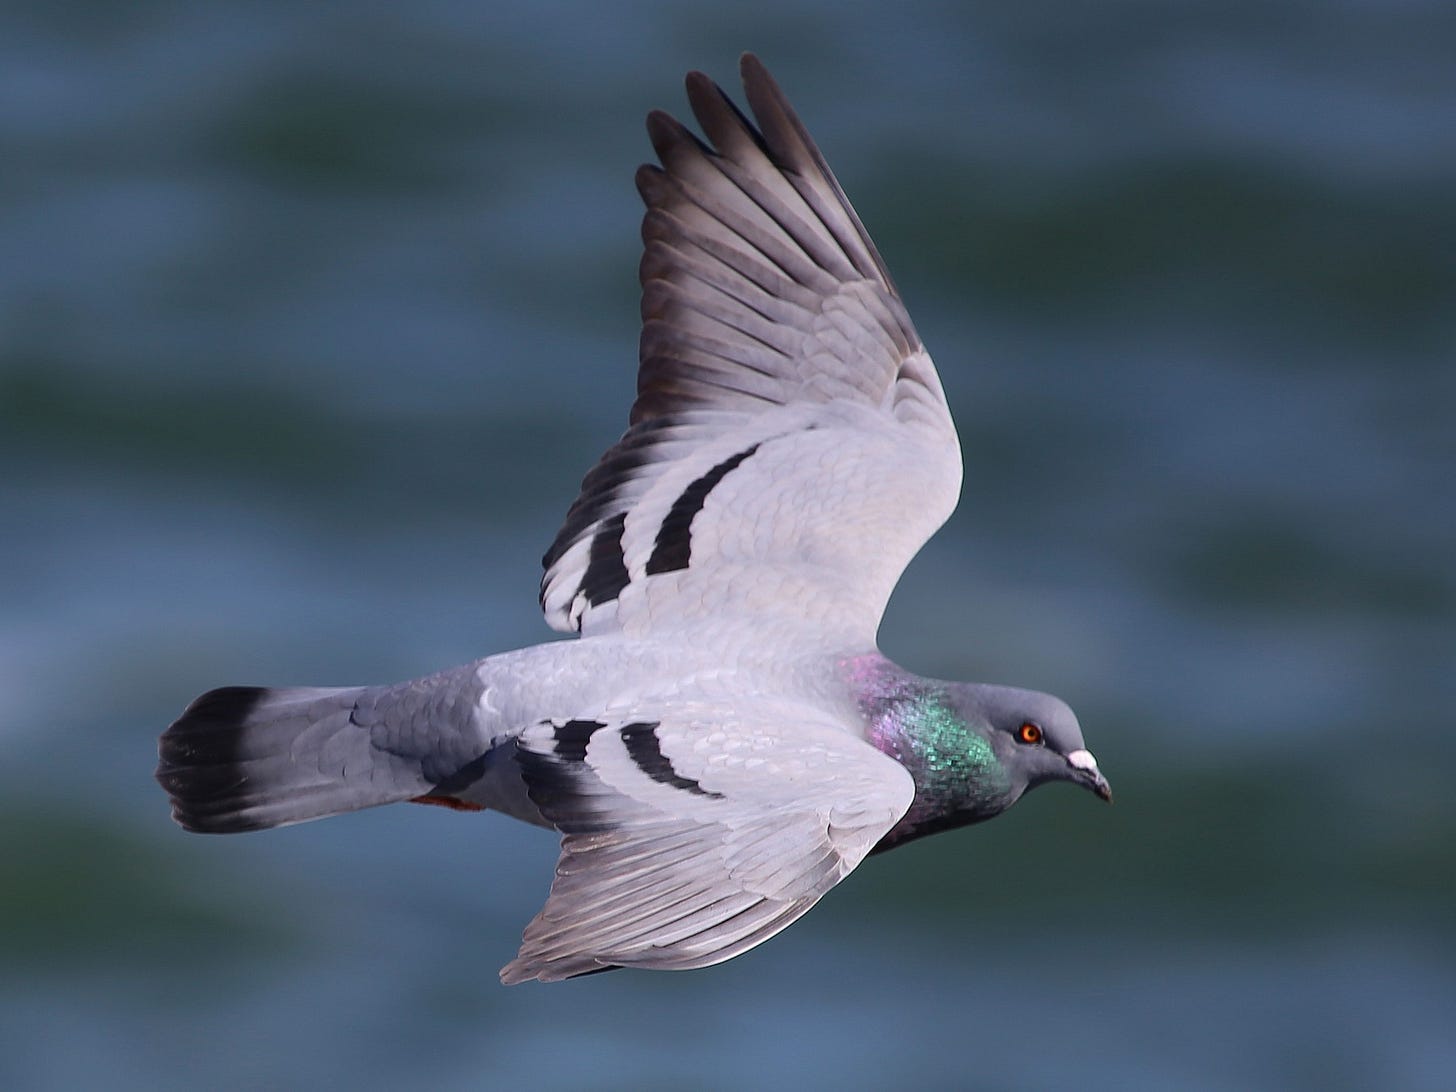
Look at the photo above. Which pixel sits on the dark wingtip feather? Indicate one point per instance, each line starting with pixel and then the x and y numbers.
pixel 663 130
pixel 700 85
pixel 651 184
pixel 750 67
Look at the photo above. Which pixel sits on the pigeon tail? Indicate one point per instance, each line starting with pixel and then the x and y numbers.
pixel 249 758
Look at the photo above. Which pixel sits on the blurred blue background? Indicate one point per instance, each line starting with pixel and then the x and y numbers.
pixel 312 316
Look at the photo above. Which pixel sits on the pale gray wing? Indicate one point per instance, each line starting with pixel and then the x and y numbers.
pixel 687 841
pixel 790 448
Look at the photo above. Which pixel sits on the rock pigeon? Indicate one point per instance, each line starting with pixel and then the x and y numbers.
pixel 724 742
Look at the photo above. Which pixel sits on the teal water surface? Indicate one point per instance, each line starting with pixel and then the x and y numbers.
pixel 312 316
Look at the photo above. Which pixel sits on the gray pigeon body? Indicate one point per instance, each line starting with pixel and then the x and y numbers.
pixel 724 742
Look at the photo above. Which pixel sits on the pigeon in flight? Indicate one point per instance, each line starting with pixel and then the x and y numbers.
pixel 724 742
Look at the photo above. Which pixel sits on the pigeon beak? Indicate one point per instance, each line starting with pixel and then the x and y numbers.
pixel 1085 772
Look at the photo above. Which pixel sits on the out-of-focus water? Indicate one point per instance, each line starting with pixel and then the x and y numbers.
pixel 312 316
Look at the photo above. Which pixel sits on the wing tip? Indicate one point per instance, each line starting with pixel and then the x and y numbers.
pixel 532 968
pixel 751 69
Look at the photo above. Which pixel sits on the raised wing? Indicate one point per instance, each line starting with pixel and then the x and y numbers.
pixel 790 448
pixel 688 841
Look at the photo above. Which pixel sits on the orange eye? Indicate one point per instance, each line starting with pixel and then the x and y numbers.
pixel 1029 733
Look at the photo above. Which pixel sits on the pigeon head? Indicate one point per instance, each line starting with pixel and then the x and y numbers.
pixel 1035 737
pixel 972 749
